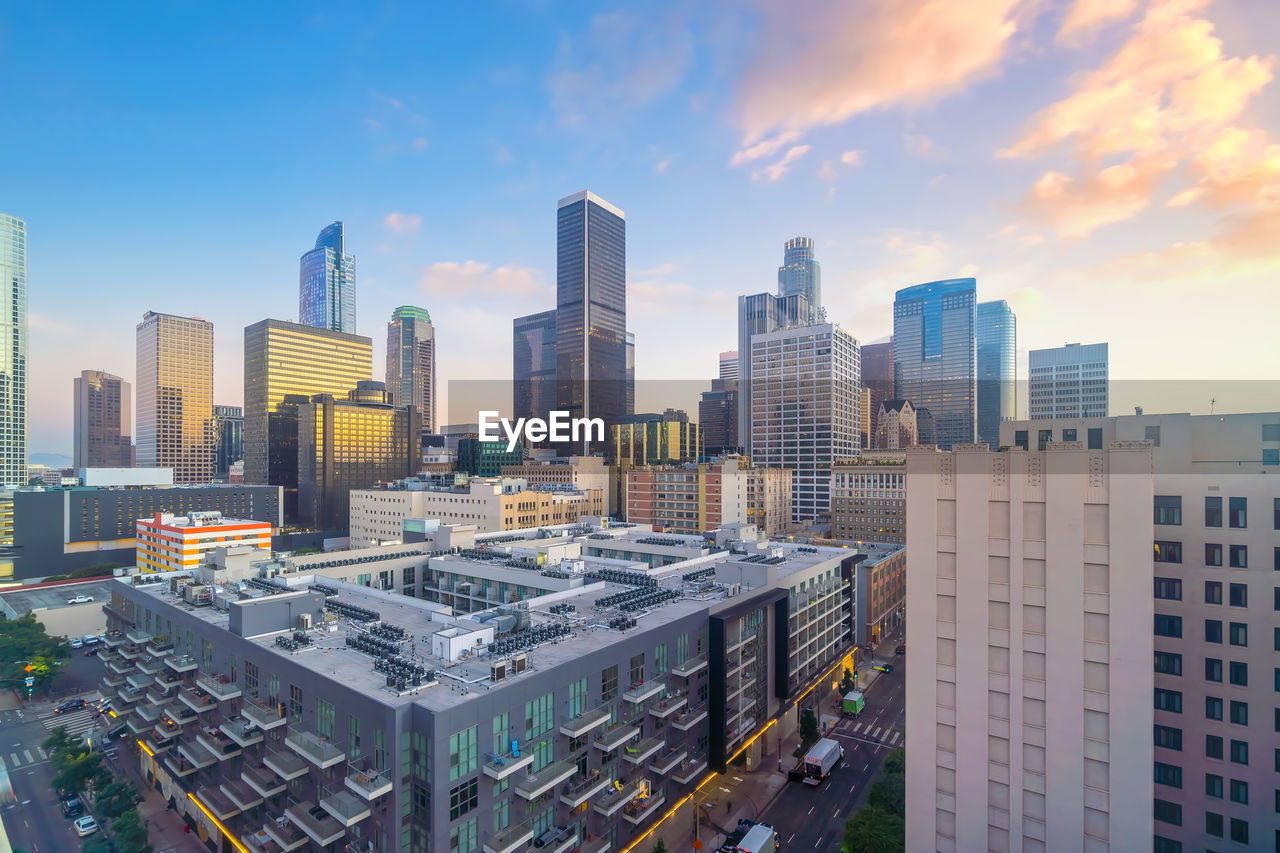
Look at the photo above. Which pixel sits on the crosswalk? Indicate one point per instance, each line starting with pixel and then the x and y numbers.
pixel 75 722
pixel 22 758
pixel 885 734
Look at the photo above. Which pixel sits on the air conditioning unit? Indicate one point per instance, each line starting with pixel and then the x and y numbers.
pixel 304 621
pixel 498 671
pixel 520 662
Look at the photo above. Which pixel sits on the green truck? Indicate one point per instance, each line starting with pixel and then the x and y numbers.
pixel 853 703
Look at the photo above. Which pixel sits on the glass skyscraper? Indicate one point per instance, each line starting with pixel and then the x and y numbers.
pixel 801 273
pixel 591 308
pixel 13 352
pixel 411 362
pixel 175 396
pixel 935 357
pixel 758 314
pixel 533 351
pixel 103 427
pixel 327 283
pixel 997 369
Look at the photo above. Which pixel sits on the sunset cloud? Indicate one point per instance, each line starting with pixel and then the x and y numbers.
pixel 459 279
pixel 776 170
pixel 401 223
pixel 1085 16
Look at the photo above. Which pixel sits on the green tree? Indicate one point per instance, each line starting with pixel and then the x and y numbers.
pixel 847 684
pixel 57 743
pixel 116 798
pixel 660 847
pixel 23 643
pixel 128 833
pixel 808 727
pixel 874 831
pixel 75 766
pixel 896 762
pixel 97 843
pixel 889 794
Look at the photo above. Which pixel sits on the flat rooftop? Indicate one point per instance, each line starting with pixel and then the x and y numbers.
pixel 54 597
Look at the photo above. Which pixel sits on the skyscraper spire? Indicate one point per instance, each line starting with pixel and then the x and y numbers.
pixel 327 283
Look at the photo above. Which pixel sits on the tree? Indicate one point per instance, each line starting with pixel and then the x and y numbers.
pixel 809 726
pixel 874 831
pixel 23 643
pixel 75 767
pixel 660 847
pixel 116 798
pixel 889 794
pixel 97 843
pixel 128 833
pixel 847 684
pixel 896 762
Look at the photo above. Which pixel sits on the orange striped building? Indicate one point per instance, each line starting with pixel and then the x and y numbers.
pixel 170 543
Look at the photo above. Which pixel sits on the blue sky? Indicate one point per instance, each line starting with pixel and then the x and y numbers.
pixel 1109 166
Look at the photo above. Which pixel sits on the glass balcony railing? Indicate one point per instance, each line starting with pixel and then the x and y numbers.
pixel 286 765
pixel 344 807
pixel 285 833
pixel 368 782
pixel 509 840
pixel 218 803
pixel 611 802
pixel 642 692
pixel 244 732
pixel 241 794
pixel 642 808
pixel 266 715
pixel 181 663
pixel 668 759
pixel 316 749
pixel 263 780
pixel 690 666
pixel 583 723
pixel 575 792
pixel 615 736
pixel 664 708
pixel 638 753
pixel 317 823
pixel 687 720
pixel 536 784
pixel 218 686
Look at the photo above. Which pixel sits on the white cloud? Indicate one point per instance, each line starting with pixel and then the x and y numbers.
pixel 764 148
pixel 457 279
pixel 851 158
pixel 776 170
pixel 401 223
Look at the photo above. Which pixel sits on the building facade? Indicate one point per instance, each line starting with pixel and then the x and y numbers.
pixel 759 314
pixel 13 354
pixel 729 366
pixel 175 396
pixel 869 499
pixel 718 417
pixel 1028 649
pixel 997 334
pixel 534 369
pixel 801 274
pixel 168 542
pixel 896 426
pixel 103 412
pixel 411 363
pixel 882 593
pixel 650 439
pixel 487 458
pixel 935 356
pixel 691 498
pixel 327 283
pixel 581 472
pixel 228 425
pixel 1068 382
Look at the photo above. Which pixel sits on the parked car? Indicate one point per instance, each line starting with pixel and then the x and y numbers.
pixel 77 643
pixel 92 653
pixel 91 639
pixel 86 826
pixel 72 807
pixel 80 599
pixel 69 705
pixel 901 649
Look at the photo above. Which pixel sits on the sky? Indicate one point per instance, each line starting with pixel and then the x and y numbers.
pixel 1110 167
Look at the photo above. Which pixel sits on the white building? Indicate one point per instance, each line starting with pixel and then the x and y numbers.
pixel 1068 382
pixel 1029 649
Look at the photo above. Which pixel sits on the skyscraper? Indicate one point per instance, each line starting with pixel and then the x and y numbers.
pixel 718 417
pixel 629 397
pixel 175 396
pixel 591 308
pixel 13 353
pixel 729 365
pixel 935 357
pixel 327 283
pixel 533 351
pixel 801 273
pixel 1067 382
pixel 228 426
pixel 103 406
pixel 758 314
pixel 411 363
pixel 877 380
pixel 997 334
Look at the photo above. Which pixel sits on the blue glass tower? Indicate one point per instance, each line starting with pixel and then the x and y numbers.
pixel 13 352
pixel 935 357
pixel 801 273
pixel 327 283
pixel 997 369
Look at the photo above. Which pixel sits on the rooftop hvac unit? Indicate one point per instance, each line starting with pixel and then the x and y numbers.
pixel 498 671
pixel 520 662
pixel 304 621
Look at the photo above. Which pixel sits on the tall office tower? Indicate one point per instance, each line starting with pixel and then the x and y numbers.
pixel 285 365
pixel 175 396
pixel 629 404
pixel 801 273
pixel 935 357
pixel 103 406
pixel 805 408
pixel 729 365
pixel 1029 708
pixel 997 334
pixel 327 283
pixel 591 308
pixel 228 426
pixel 13 353
pixel 1067 382
pixel 718 417
pixel 1214 545
pixel 877 379
pixel 411 363
pixel 758 314
pixel 533 352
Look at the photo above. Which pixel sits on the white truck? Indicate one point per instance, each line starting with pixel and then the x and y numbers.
pixel 759 839
pixel 821 760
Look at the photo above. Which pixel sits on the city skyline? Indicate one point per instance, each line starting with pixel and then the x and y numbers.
pixel 710 148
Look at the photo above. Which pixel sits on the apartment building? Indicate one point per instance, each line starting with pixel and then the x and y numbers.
pixel 693 497
pixel 168 542
pixel 869 498
pixel 881 582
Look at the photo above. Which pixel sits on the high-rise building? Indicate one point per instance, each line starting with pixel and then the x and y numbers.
pixel 228 426
pixel 411 363
pixel 935 356
pixel 729 365
pixel 13 353
pixel 897 426
pixel 695 497
pixel 1029 650
pixel 877 379
pixel 285 365
pixel 481 458
pixel 327 283
pixel 758 314
pixel 997 337
pixel 591 308
pixel 103 407
pixel 1067 382
pixel 801 273
pixel 869 498
pixel 175 396
pixel 629 400
pixel 718 417
pixel 534 370
pixel 805 408
pixel 653 438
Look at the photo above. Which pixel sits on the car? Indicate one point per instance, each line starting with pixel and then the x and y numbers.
pixel 72 807
pixel 91 639
pixel 901 649
pixel 104 705
pixel 77 643
pixel 85 826
pixel 80 599
pixel 117 734
pixel 69 705
pixel 92 653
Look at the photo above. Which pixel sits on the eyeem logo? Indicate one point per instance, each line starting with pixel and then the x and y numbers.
pixel 561 427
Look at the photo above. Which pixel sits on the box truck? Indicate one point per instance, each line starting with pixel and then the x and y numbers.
pixel 821 760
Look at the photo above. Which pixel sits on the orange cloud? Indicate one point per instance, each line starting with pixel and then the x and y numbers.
pixel 774 171
pixel 1076 207
pixel 1088 15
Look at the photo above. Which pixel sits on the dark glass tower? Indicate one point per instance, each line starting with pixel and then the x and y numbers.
pixel 935 356
pixel 997 369
pixel 533 350
pixel 801 273
pixel 327 283
pixel 591 308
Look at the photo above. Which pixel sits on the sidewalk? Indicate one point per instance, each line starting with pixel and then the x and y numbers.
pixel 164 826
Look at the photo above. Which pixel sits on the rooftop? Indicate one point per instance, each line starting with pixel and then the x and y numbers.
pixel 53 597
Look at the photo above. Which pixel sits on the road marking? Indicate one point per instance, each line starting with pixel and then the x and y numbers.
pixel 876 733
pixel 851 787
pixel 865 767
pixel 855 728
pixel 811 809
pixel 896 735
pixel 43 754
pixel 13 756
pixel 27 753
pixel 819 844
pixel 792 838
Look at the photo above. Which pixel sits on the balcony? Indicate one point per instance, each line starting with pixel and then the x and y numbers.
pixel 218 743
pixel 241 794
pixel 689 770
pixel 165 731
pixel 664 708
pixel 642 692
pixel 151 665
pixel 218 686
pixel 121 667
pixel 156 745
pixel 669 759
pixel 181 663
pixel 138 636
pixel 285 833
pixel 196 755
pixel 150 713
pixel 596 845
pixel 615 736
pixel 577 792
pixel 197 700
pixel 263 780
pixel 689 719
pixel 583 723
pixel 690 666
pixel 114 639
pixel 179 766
pixel 138 679
pixel 127 694
pixel 242 731
pixel 501 766
pixel 157 695
pixel 286 765
pixel 181 714
pixel 510 839
pixel 112 680
pixel 130 653
pixel 265 715
pixel 314 748
pixel 611 803
pixel 367 782
pixel 160 647
pixel 344 807
pixel 317 823
pixel 218 803
pixel 556 839
pixel 169 679
pixel 536 784
pixel 139 726
pixel 639 753
pixel 259 841
pixel 640 810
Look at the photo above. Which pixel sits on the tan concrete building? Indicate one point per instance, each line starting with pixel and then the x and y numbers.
pixel 869 498
pixel 692 498
pixel 582 472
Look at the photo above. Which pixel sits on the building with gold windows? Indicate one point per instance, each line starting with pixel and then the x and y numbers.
pixel 175 396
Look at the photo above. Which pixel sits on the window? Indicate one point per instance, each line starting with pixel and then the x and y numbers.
pixel 1168 737
pixel 1212 592
pixel 1239 673
pixel 1213 512
pixel 1168 663
pixel 1271 432
pixel 1275 557
pixel 1168 552
pixel 463 837
pixel 1238 513
pixel 1213 786
pixel 1212 746
pixel 537 716
pixel 1168 626
pixel 1020 438
pixel 1095 438
pixel 1212 708
pixel 1168 509
pixel 1212 669
pixel 1167 812
pixel 462 752
pixel 464 798
pixel 1153 435
pixel 1239 595
pixel 1271 456
pixel 1168 700
pixel 1169 589
pixel 1070 435
pixel 609 683
pixel 1240 713
pixel 1168 774
pixel 1212 631
pixel 1213 823
pixel 1239 752
pixel 1275 514
pixel 1239 556
pixel 1239 830
pixel 1212 554
pixel 1238 633
pixel 1046 438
